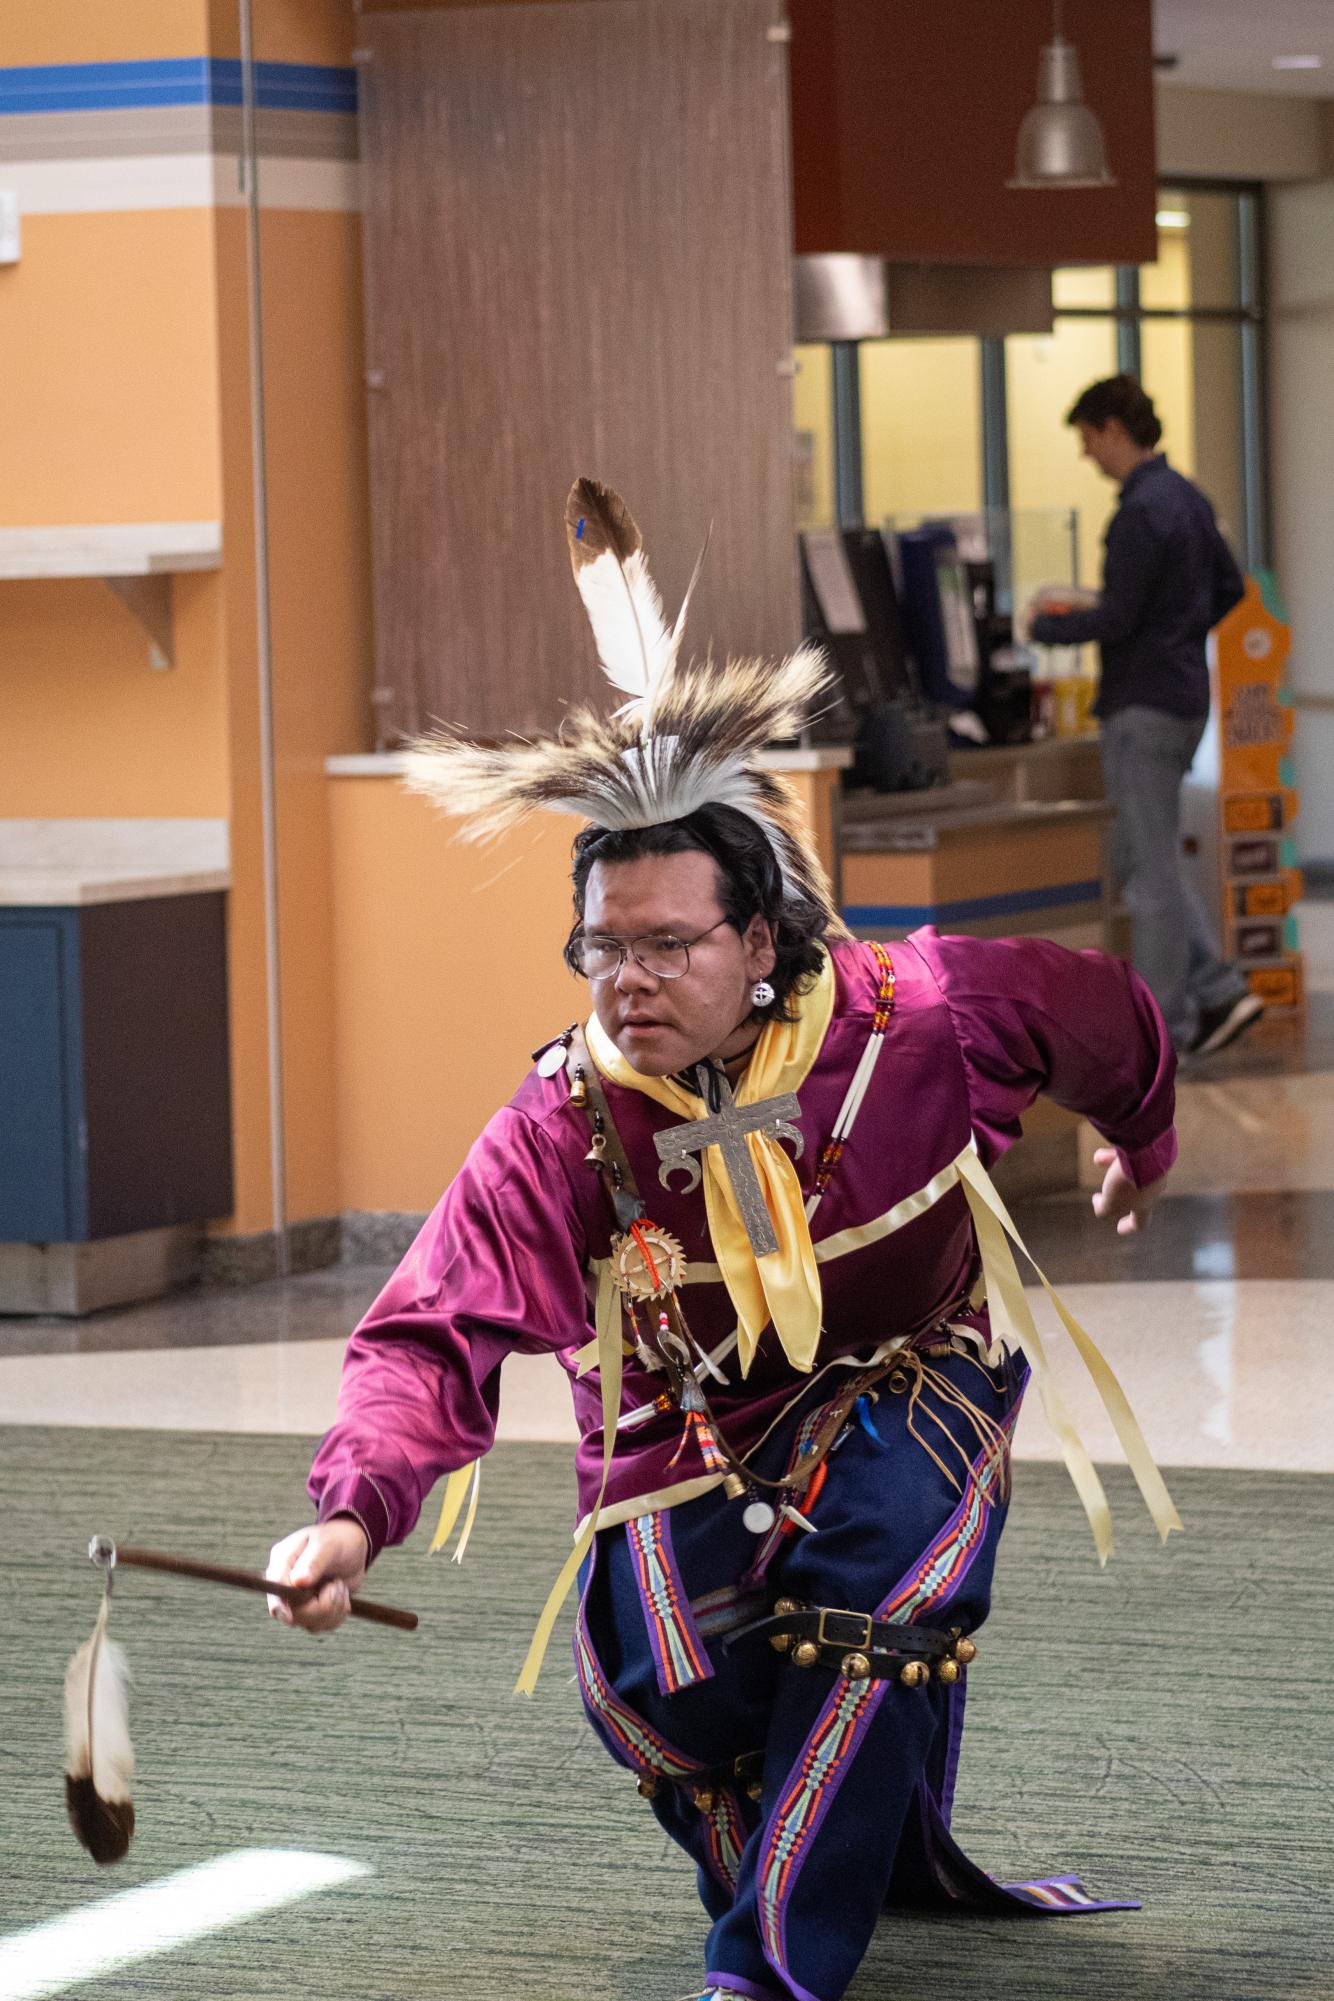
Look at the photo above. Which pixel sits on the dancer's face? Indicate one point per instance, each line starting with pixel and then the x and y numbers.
pixel 661 1026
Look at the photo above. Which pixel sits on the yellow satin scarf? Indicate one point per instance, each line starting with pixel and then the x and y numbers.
pixel 785 1286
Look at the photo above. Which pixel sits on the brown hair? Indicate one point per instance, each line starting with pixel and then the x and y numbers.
pixel 1122 397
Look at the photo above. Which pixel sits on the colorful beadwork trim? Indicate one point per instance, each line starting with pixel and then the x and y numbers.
pixel 1065 1893
pixel 638 1744
pixel 679 1654
pixel 716 1613
pixel 725 1833
pixel 884 1009
pixel 847 1714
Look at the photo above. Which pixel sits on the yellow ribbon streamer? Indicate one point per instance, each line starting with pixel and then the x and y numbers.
pixel 1013 1317
pixel 456 1492
pixel 607 1316
pixel 785 1285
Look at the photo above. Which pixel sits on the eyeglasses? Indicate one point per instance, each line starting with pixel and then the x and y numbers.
pixel 660 953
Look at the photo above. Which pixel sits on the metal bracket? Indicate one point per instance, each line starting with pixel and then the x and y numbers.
pixel 148 600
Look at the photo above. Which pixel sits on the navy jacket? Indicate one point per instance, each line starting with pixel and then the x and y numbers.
pixel 1168 577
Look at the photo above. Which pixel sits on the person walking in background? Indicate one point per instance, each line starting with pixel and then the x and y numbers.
pixel 1168 578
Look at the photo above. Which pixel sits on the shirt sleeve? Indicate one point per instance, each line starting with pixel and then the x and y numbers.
pixel 497 1267
pixel 1130 566
pixel 1031 1016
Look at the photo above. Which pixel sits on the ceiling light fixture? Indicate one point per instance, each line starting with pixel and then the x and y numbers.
pixel 1060 141
pixel 1172 218
pixel 1299 62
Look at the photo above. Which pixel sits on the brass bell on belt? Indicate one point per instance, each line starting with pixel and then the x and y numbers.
pixel 705 1800
pixel 856 1666
pixel 964 1652
pixel 948 1671
pixel 646 1786
pixel 782 1642
pixel 805 1654
pixel 914 1674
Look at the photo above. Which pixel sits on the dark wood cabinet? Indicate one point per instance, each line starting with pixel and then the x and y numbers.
pixel 115 1112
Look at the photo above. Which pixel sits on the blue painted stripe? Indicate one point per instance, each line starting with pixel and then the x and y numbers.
pixel 1011 903
pixel 183 80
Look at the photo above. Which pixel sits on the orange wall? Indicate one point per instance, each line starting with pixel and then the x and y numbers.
pixel 89 730
pixel 107 331
pixel 93 31
pixel 448 975
pixel 320 644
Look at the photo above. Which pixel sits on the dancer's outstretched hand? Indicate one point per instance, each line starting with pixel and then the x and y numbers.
pixel 331 1554
pixel 1118 1200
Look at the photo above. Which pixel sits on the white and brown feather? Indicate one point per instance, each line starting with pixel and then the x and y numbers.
pixel 99 1757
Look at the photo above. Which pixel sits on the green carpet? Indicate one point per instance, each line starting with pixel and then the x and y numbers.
pixel 1139 1725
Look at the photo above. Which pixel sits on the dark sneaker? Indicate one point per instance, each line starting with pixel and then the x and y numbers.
pixel 1221 1025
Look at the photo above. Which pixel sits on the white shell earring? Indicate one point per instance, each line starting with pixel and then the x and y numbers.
pixel 761 994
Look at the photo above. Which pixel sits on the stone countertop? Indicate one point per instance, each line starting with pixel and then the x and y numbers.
pixel 65 887
pixel 54 863
pixel 909 829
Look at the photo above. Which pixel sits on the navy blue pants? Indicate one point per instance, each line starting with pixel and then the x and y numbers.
pixel 854 1778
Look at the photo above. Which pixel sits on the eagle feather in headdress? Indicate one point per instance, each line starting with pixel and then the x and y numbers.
pixel 688 736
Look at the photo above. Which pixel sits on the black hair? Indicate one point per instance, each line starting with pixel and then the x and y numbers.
pixel 1123 397
pixel 750 884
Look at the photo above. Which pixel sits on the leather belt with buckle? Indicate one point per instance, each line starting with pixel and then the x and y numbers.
pixel 859 1646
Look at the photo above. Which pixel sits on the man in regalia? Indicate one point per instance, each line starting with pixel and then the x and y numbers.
pixel 746 1205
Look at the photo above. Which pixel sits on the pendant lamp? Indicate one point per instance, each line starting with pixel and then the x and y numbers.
pixel 1060 141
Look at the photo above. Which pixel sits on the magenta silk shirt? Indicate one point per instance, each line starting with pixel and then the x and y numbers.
pixel 980 1027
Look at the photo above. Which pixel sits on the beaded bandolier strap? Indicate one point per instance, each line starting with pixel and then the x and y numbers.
pixel 838 1138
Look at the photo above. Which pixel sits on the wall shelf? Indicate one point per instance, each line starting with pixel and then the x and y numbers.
pixel 135 559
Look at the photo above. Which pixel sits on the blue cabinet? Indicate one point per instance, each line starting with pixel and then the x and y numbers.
pixel 40 1182
pixel 115 1111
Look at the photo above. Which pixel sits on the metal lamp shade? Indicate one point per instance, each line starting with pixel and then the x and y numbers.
pixel 1060 141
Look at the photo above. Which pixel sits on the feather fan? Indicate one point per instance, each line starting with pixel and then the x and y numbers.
pixel 99 1758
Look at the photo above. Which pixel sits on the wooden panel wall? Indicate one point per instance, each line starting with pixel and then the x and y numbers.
pixel 578 260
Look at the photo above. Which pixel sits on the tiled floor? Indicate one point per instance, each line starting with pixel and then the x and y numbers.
pixel 1217 1320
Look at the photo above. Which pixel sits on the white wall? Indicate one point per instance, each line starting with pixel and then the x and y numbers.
pixel 1301 279
pixel 1234 135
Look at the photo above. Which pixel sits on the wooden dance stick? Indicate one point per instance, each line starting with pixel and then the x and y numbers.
pixel 110 1555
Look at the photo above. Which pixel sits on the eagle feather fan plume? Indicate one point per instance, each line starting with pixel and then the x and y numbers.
pixel 99 1757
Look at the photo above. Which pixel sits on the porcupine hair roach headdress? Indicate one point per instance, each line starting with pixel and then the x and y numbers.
pixel 687 737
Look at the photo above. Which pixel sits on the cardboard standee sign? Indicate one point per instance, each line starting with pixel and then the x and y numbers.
pixel 1257 804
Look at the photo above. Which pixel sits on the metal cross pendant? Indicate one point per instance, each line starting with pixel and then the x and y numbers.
pixel 680 1147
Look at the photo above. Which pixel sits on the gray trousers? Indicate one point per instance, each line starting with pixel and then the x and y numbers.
pixel 1145 757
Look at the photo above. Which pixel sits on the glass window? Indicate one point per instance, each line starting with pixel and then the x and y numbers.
pixel 1089 286
pixel 1044 374
pixel 1197 252
pixel 921 427
pixel 1192 370
pixel 813 423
